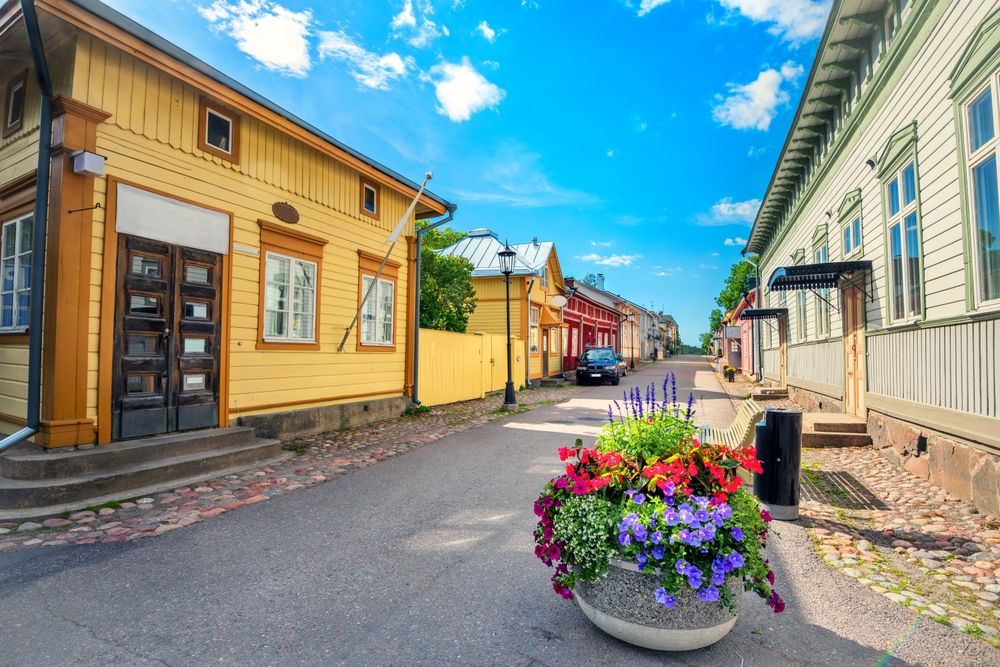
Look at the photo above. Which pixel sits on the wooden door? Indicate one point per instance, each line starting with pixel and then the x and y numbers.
pixel 168 339
pixel 545 352
pixel 854 351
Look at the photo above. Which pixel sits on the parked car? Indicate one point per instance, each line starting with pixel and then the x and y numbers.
pixel 597 364
pixel 622 365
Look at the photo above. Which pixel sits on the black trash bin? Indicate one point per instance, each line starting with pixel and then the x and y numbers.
pixel 779 450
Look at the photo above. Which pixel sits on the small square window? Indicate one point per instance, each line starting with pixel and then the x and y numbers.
pixel 369 199
pixel 219 131
pixel 13 107
pixel 194 382
pixel 145 266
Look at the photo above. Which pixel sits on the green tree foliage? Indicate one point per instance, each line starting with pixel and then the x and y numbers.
pixel 447 297
pixel 737 284
pixel 590 279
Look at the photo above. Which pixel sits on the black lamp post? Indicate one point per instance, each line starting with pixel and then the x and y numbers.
pixel 506 258
pixel 631 328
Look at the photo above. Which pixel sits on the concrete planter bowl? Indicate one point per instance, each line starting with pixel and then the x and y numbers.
pixel 622 604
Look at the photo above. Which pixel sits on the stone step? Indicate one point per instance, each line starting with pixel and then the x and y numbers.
pixel 812 438
pixel 28 462
pixel 764 393
pixel 36 496
pixel 826 426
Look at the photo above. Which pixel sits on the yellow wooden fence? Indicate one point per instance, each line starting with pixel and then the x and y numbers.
pixel 460 367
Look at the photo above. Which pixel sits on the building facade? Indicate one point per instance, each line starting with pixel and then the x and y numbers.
pixel 207 273
pixel 879 235
pixel 536 315
pixel 591 320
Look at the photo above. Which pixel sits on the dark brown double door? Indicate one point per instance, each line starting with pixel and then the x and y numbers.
pixel 167 342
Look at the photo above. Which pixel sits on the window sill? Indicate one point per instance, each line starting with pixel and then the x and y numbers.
pixel 376 347
pixel 14 336
pixel 266 344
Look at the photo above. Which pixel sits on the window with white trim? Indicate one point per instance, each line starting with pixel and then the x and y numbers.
pixel 533 330
pixel 984 151
pixel 289 299
pixel 904 243
pixel 822 256
pixel 851 236
pixel 13 106
pixel 377 316
pixel 15 273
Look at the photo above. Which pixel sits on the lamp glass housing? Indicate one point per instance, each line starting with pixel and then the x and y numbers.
pixel 506 257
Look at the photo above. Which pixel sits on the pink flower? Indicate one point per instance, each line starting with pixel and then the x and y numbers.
pixel 765 515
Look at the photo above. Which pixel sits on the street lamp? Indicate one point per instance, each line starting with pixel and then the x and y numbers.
pixel 631 328
pixel 506 258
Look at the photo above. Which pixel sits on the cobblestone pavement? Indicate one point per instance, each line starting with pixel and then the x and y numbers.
pixel 904 538
pixel 315 459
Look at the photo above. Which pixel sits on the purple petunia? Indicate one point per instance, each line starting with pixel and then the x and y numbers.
pixel 737 534
pixel 718 578
pixel 681 566
pixel 656 537
pixel 707 533
pixel 664 598
pixel 639 531
pixel 685 514
pixel 624 539
pixel 658 552
pixel 694 579
pixel 671 517
pixel 700 501
pixel 669 488
pixel 724 510
pixel 639 498
pixel 701 515
pixel 709 594
pixel 640 559
pixel 736 559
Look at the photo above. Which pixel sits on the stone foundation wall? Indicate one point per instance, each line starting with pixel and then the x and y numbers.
pixel 309 421
pixel 948 462
pixel 811 401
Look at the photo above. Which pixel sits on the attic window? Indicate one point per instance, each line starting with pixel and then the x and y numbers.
pixel 369 198
pixel 219 131
pixel 13 116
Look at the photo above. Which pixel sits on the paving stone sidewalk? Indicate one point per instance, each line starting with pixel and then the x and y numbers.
pixel 904 538
pixel 313 460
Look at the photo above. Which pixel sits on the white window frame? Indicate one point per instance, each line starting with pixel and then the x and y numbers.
pixel 383 322
pixel 17 284
pixel 365 188
pixel 911 311
pixel 855 233
pixel 976 158
pixel 209 112
pixel 545 276
pixel 290 312
pixel 822 256
pixel 533 316
pixel 9 107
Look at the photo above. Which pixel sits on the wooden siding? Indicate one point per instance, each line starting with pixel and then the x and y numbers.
pixel 818 363
pixel 490 315
pixel 955 367
pixel 772 364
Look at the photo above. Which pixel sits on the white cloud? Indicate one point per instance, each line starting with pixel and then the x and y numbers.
pixel 610 152
pixel 609 260
pixel 420 31
pixel 792 20
pixel 646 6
pixel 707 267
pixel 754 105
pixel 275 36
pixel 729 212
pixel 488 33
pixel 755 151
pixel 462 91
pixel 602 244
pixel 638 124
pixel 369 69
pixel 735 241
pixel 713 254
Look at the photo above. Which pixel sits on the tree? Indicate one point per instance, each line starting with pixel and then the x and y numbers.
pixel 447 297
pixel 737 283
pixel 590 279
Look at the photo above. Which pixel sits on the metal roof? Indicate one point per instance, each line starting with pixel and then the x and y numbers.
pixel 595 294
pixel 481 246
pixel 815 276
pixel 138 31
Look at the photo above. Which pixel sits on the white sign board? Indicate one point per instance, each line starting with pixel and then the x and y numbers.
pixel 152 216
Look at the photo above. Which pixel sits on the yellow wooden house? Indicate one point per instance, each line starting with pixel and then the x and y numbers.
pixel 535 309
pixel 206 273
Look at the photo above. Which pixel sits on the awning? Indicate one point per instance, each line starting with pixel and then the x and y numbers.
pixel 763 313
pixel 550 316
pixel 815 276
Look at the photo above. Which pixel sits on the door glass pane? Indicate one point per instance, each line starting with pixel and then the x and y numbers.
pixel 896 266
pixel 143 384
pixel 909 185
pixel 197 275
pixel 912 263
pixel 146 266
pixel 26 228
pixel 143 344
pixel 195 345
pixel 140 304
pixel 893 195
pixel 196 310
pixel 981 119
pixel 194 382
pixel 987 202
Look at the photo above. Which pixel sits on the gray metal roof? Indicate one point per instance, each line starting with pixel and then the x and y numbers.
pixel 602 297
pixel 481 246
pixel 138 31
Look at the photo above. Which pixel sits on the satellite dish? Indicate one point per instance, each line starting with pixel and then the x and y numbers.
pixel 559 301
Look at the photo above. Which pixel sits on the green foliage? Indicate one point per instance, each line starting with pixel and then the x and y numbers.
pixel 586 526
pixel 590 279
pixel 447 297
pixel 737 284
pixel 416 410
pixel 658 437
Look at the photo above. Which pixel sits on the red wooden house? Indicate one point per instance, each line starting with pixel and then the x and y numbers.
pixel 592 320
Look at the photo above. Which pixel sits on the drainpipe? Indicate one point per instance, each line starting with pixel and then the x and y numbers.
pixel 416 328
pixel 40 222
pixel 758 326
pixel 527 350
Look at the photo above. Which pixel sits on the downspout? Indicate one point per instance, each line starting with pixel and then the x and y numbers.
pixel 757 329
pixel 40 223
pixel 416 310
pixel 527 351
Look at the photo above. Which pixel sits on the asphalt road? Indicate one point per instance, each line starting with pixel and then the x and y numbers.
pixel 422 559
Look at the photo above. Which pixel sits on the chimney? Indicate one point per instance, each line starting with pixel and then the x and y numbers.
pixel 600 281
pixel 534 240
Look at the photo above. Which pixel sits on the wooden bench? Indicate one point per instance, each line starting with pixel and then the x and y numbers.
pixel 741 432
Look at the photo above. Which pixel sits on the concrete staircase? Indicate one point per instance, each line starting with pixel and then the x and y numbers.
pixel 36 482
pixel 765 393
pixel 832 429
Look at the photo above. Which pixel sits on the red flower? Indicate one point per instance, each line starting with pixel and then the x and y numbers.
pixel 719 497
pixel 565 453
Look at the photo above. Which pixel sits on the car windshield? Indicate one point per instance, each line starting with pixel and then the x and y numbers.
pixel 599 355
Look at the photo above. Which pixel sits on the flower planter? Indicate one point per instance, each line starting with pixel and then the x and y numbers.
pixel 622 604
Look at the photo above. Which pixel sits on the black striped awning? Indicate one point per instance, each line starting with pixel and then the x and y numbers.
pixel 815 276
pixel 763 313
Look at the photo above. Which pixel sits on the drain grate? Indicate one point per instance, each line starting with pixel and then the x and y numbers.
pixel 838 489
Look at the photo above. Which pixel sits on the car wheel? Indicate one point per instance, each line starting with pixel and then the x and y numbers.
pixel 616 381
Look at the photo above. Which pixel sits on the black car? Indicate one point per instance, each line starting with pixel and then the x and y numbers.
pixel 597 364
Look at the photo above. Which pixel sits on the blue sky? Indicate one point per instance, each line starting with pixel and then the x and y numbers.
pixel 638 135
